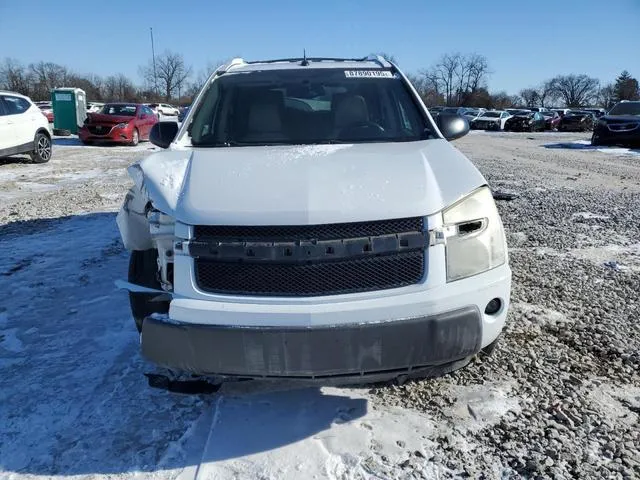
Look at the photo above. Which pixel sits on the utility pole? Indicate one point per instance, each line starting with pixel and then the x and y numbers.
pixel 153 55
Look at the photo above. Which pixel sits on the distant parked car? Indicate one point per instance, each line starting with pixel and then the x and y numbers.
pixel 455 110
pixel 164 109
pixel 538 109
pixel 491 120
pixel 118 122
pixel 551 120
pixel 47 109
pixel 435 111
pixel 183 113
pixel 576 121
pixel 23 128
pixel 94 107
pixel 473 113
pixel 525 122
pixel 621 126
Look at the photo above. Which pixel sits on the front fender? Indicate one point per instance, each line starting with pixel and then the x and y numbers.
pixel 132 221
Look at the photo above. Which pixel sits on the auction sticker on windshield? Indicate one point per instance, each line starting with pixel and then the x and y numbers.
pixel 368 73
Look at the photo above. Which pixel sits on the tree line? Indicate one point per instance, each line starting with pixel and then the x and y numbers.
pixel 456 79
pixel 462 80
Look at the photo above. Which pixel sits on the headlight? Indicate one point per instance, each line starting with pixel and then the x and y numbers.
pixel 475 240
pixel 122 125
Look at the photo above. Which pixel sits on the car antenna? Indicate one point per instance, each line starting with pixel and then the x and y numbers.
pixel 304 62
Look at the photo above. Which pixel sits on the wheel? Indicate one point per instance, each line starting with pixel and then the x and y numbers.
pixel 87 142
pixel 532 127
pixel 595 140
pixel 135 138
pixel 42 148
pixel 143 270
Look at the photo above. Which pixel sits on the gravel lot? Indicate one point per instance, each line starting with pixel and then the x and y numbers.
pixel 563 383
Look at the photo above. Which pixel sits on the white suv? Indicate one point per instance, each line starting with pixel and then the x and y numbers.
pixel 310 220
pixel 23 128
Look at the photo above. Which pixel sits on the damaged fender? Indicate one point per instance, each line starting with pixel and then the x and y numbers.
pixel 158 182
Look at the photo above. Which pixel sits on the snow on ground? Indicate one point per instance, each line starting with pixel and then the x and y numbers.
pixel 73 400
pixel 586 145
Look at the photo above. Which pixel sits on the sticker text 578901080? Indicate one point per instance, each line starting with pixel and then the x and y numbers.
pixel 368 74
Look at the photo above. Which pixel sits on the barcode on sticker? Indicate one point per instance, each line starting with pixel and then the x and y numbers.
pixel 368 74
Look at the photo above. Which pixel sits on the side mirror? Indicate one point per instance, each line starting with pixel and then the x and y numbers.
pixel 163 133
pixel 452 126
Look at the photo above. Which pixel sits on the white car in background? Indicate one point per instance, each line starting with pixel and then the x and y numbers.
pixel 473 113
pixel 164 109
pixel 491 120
pixel 94 107
pixel 24 128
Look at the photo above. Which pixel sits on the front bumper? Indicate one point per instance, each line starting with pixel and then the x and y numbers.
pixel 117 135
pixel 388 333
pixel 606 136
pixel 357 350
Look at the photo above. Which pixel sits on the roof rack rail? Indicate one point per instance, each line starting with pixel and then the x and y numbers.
pixel 233 62
pixel 370 58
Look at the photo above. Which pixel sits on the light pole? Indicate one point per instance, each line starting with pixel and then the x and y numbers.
pixel 153 55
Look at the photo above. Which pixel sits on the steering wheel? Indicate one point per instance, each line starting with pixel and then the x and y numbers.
pixel 368 128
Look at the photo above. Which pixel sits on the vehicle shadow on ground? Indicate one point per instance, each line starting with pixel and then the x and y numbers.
pixel 18 159
pixel 73 397
pixel 585 145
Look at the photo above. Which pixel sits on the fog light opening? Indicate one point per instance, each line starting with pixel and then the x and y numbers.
pixel 493 307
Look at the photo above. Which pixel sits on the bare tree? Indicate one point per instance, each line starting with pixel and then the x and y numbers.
pixel 607 96
pixel 14 77
pixel 502 100
pixel 171 73
pixel 203 75
pixel 119 88
pixel 530 97
pixel 46 77
pixel 547 94
pixel 458 76
pixel 575 90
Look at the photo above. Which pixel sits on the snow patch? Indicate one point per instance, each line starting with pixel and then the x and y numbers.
pixel 479 406
pixel 624 257
pixel 590 216
pixel 9 340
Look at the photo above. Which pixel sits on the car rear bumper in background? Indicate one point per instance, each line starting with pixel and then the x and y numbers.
pixel 388 335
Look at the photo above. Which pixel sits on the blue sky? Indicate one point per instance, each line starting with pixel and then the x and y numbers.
pixel 525 41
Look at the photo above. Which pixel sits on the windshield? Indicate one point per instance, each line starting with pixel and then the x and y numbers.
pixel 119 110
pixel 308 106
pixel 626 109
pixel 491 114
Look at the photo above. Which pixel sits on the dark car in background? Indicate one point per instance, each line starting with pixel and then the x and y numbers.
pixel 525 121
pixel 576 121
pixel 551 120
pixel 118 122
pixel 621 126
pixel 183 113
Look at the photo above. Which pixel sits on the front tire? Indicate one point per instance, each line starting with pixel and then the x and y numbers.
pixel 135 138
pixel 143 270
pixel 595 140
pixel 41 148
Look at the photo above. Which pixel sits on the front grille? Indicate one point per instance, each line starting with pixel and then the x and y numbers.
pixel 327 278
pixel 330 231
pixel 99 129
pixel 379 263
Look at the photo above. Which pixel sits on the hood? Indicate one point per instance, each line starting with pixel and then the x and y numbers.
pixel 489 119
pixel 620 118
pixel 108 119
pixel 521 117
pixel 309 184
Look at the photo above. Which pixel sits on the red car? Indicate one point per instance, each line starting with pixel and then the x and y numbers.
pixel 551 120
pixel 46 109
pixel 118 122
